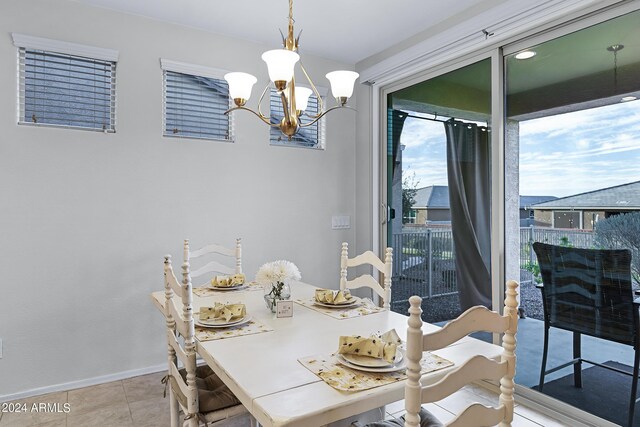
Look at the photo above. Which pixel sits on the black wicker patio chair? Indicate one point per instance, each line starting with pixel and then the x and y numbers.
pixel 589 291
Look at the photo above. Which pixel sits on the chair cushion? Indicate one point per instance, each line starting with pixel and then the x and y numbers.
pixel 213 394
pixel 427 419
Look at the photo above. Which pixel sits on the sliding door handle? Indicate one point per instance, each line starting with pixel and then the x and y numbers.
pixel 383 213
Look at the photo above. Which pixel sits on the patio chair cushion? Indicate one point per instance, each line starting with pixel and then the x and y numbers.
pixel 427 419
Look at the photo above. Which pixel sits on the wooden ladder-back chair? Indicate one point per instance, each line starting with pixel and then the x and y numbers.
pixel 215 266
pixel 196 390
pixel 589 291
pixel 384 267
pixel 478 367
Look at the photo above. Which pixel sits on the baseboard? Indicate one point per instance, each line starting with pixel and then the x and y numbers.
pixel 83 383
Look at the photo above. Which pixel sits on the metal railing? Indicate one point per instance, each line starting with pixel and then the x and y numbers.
pixel 424 260
pixel 552 236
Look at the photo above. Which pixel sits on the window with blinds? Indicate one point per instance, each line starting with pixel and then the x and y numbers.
pixel 66 90
pixel 310 136
pixel 194 107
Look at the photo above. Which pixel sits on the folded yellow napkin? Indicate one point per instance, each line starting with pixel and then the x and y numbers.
pixel 375 346
pixel 330 296
pixel 228 281
pixel 223 311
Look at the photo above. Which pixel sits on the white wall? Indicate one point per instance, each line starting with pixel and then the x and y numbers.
pixel 87 217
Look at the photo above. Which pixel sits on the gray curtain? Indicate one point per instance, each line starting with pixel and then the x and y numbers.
pixel 469 171
pixel 395 123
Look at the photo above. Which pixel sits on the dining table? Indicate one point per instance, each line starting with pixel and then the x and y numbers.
pixel 264 369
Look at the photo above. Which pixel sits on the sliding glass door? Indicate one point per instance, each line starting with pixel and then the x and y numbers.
pixel 438 179
pixel 573 127
pixel 485 156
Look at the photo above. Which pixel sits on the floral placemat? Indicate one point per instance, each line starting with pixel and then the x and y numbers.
pixel 342 378
pixel 205 291
pixel 367 307
pixel 249 328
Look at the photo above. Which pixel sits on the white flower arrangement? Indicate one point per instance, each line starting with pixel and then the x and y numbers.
pixel 272 276
pixel 276 272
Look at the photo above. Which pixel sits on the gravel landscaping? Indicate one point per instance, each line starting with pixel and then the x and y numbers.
pixel 446 307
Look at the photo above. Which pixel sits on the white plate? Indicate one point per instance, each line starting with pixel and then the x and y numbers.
pixel 355 302
pixel 228 288
pixel 221 323
pixel 371 362
pixel 398 366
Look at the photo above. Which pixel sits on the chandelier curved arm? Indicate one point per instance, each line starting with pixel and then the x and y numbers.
pixel 321 115
pixel 260 116
pixel 315 90
pixel 266 119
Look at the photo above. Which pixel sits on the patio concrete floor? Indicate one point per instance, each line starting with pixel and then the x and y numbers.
pixel 530 341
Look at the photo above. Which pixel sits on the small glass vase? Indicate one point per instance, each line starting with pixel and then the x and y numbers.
pixel 275 292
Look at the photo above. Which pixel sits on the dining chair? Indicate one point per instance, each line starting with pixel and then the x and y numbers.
pixel 215 266
pixel 589 291
pixel 476 368
pixel 367 280
pixel 196 390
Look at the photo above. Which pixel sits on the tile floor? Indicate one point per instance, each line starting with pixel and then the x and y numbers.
pixel 139 402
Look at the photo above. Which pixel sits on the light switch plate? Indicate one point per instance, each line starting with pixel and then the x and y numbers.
pixel 340 222
pixel 0 348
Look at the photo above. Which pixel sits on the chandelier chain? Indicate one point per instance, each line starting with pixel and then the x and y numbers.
pixel 290 10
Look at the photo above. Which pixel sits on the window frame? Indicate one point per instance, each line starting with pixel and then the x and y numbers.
pixel 28 44
pixel 167 65
pixel 284 142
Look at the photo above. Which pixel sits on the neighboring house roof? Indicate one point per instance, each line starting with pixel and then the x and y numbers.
pixel 437 197
pixel 432 197
pixel 619 197
pixel 527 201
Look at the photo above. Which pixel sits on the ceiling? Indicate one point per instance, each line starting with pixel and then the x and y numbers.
pixel 568 73
pixel 342 30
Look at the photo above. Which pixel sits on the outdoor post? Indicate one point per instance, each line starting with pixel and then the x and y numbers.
pixel 430 263
pixel 531 254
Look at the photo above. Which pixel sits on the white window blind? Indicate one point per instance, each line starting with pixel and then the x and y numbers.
pixel 66 90
pixel 194 107
pixel 310 136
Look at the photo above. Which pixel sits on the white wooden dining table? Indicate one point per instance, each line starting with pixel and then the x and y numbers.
pixel 263 370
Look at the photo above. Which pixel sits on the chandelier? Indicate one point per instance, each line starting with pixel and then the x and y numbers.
pixel 294 99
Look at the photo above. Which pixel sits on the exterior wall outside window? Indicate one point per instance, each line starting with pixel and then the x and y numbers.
pixel 543 218
pixel 566 219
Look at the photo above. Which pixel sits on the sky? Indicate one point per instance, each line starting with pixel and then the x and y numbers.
pixel 560 155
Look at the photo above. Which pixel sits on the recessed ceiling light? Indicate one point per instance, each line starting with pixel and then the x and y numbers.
pixel 628 98
pixel 526 54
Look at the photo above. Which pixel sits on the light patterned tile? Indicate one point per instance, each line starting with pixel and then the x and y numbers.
pixel 442 414
pixel 60 423
pixel 484 393
pixel 109 416
pixel 150 412
pixel 537 417
pixel 461 399
pixel 388 416
pixel 394 407
pixel 96 397
pixel 520 421
pixel 144 387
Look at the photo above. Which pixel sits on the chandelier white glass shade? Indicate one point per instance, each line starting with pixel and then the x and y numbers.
pixel 281 66
pixel 240 85
pixel 280 63
pixel 342 84
pixel 302 97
